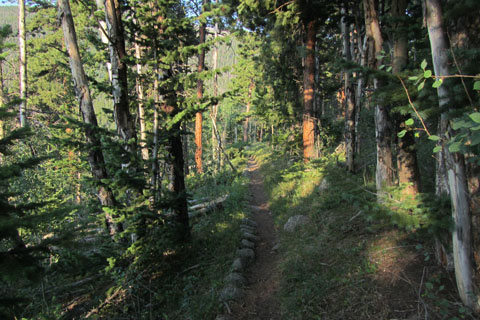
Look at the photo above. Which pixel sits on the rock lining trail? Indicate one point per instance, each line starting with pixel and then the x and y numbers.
pixel 263 276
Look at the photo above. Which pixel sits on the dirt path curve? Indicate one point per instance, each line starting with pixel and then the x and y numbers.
pixel 263 275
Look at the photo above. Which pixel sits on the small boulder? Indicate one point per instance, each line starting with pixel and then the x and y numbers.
pixel 276 248
pixel 295 222
pixel 231 293
pixel 249 236
pixel 247 229
pixel 247 255
pixel 324 185
pixel 235 279
pixel 249 222
pixel 237 265
pixel 247 244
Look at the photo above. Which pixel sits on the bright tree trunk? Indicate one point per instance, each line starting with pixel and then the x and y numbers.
pixel 22 38
pixel 95 155
pixel 384 168
pixel 198 115
pixel 141 106
pixel 247 118
pixel 455 164
pixel 407 165
pixel 309 92
pixel 123 118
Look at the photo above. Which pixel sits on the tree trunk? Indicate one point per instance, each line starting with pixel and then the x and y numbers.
pixel 22 39
pixel 214 112
pixel 384 169
pixel 308 93
pixel 95 155
pixel 455 163
pixel 123 118
pixel 408 172
pixel 198 115
pixel 247 118
pixel 180 206
pixel 350 97
pixel 141 98
pixel 102 31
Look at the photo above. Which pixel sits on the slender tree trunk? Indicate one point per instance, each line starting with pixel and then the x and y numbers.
pixel 102 31
pixel 251 86
pixel 156 102
pixel 359 91
pixel 384 168
pixel 350 97
pixel 123 118
pixel 22 39
pixel 180 206
pixel 95 155
pixel 214 112
pixel 408 172
pixel 455 163
pixel 198 115
pixel 308 93
pixel 141 99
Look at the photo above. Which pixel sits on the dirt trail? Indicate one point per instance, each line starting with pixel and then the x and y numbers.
pixel 263 276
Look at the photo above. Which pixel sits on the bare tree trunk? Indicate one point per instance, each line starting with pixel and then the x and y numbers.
pixel 247 118
pixel 102 31
pixel 350 97
pixel 457 181
pixel 95 155
pixel 198 115
pixel 123 118
pixel 408 172
pixel 214 112
pixel 22 39
pixel 141 98
pixel 156 102
pixel 384 169
pixel 308 93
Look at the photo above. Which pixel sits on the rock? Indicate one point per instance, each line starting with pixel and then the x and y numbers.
pixel 247 255
pixel 249 236
pixel 231 293
pixel 238 265
pixel 223 317
pixel 276 248
pixel 324 185
pixel 247 229
pixel 235 279
pixel 295 222
pixel 249 222
pixel 247 244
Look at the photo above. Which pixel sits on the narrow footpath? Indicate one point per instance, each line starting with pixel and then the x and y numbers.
pixel 263 276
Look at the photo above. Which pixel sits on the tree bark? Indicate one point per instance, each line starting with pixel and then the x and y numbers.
pixel 22 39
pixel 251 86
pixel 141 98
pixel 123 118
pixel 198 115
pixel 455 164
pixel 95 155
pixel 407 165
pixel 384 169
pixel 214 112
pixel 309 92
pixel 349 97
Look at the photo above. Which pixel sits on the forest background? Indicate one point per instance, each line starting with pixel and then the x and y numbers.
pixel 117 116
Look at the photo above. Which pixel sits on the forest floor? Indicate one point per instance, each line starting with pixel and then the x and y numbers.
pixel 260 300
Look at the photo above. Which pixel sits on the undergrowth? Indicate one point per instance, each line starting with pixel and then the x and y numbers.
pixel 358 258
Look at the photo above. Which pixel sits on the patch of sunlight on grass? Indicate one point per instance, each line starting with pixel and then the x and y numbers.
pixel 222 226
pixel 387 258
